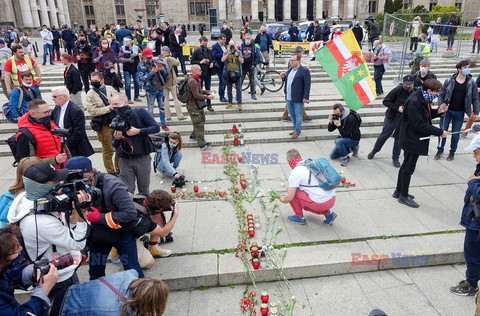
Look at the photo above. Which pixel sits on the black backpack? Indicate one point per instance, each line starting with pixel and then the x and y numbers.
pixel 183 94
pixel 12 143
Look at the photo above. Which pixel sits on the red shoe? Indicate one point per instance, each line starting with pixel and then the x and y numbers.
pixel 165 128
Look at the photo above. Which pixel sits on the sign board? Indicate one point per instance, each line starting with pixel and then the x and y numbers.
pixel 286 49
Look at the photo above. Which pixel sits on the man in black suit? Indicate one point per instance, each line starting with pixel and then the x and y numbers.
pixel 69 115
pixel 72 79
pixel 177 41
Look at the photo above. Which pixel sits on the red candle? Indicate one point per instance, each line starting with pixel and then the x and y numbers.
pixel 264 297
pixel 264 309
pixel 234 129
pixel 195 189
pixel 243 184
pixel 251 233
pixel 235 141
pixel 174 189
pixel 256 264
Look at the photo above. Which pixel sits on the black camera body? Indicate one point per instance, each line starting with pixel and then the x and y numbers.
pixel 120 124
pixel 179 182
pixel 336 117
pixel 232 49
pixel 62 132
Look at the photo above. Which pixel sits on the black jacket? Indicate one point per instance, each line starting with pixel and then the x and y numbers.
pixel 85 52
pixel 317 33
pixel 349 128
pixel 174 45
pixel 93 38
pixel 112 79
pixel 77 142
pixel 228 34
pixel 418 80
pixel 394 100
pixel 200 54
pixel 358 33
pixel 417 122
pixel 166 37
pixel 72 79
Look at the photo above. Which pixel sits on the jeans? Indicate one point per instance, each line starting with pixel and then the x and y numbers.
pixel 151 97
pixel 179 56
pixel 296 110
pixel 413 43
pixel 206 79
pixel 136 84
pixel 126 246
pixel 69 46
pixel 456 117
pixel 343 147
pixel 174 161
pixel 478 46
pixel 56 51
pixel 405 173
pixel 471 252
pixel 221 84
pixel 238 86
pixel 450 40
pixel 378 71
pixel 389 127
pixel 250 71
pixel 47 48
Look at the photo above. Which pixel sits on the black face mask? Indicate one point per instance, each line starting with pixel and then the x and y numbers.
pixel 83 43
pixel 45 121
pixel 96 84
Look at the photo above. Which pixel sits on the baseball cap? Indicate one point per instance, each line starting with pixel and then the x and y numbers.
pixel 147 52
pixel 408 79
pixel 79 162
pixel 475 144
pixel 44 172
pixel 164 49
pixel 2 41
pixel 108 65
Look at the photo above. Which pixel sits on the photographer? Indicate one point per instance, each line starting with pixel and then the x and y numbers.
pixel 233 60
pixel 348 124
pixel 50 233
pixel 39 124
pixel 132 143
pixel 203 57
pixel 114 210
pixel 373 29
pixel 12 274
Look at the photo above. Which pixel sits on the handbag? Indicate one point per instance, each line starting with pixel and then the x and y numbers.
pixel 234 75
pixel 213 70
pixel 201 104
pixel 98 121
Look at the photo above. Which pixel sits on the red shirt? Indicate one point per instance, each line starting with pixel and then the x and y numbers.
pixel 21 67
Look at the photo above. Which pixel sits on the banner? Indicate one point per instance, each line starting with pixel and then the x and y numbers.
pixel 343 61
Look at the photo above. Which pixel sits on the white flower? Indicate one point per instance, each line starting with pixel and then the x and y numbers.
pixel 293 297
pixel 282 184
pixel 184 190
pixel 199 182
pixel 205 188
pixel 161 182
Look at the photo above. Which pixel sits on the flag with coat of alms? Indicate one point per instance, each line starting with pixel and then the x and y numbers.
pixel 342 59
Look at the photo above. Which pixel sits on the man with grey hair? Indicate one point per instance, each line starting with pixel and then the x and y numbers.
pixel 304 192
pixel 70 116
pixel 132 144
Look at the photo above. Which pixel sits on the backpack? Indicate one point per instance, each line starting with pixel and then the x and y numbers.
pixel 183 94
pixel 6 200
pixel 359 119
pixel 25 42
pixel 141 209
pixel 12 143
pixel 165 73
pixel 7 37
pixel 326 175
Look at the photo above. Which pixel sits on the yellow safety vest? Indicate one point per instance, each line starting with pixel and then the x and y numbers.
pixel 145 38
pixel 14 74
pixel 425 53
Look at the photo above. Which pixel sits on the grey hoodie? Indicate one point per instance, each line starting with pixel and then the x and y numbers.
pixel 5 53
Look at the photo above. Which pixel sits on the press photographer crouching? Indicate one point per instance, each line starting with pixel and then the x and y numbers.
pixel 132 143
pixel 109 216
pixel 13 275
pixel 51 217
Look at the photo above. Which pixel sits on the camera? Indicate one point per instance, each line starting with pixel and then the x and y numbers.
pixel 127 55
pixel 207 61
pixel 336 117
pixel 62 132
pixel 179 182
pixel 60 263
pixel 119 124
pixel 232 49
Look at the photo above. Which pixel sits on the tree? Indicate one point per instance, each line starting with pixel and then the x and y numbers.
pixel 388 7
pixel 397 5
pixel 444 12
pixel 419 9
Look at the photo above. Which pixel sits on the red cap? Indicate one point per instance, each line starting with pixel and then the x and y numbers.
pixel 147 52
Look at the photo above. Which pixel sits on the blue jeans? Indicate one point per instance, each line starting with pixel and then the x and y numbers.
pixel 179 56
pixel 456 117
pixel 471 252
pixel 206 79
pixel 296 113
pixel 238 86
pixel 151 97
pixel 136 84
pixel 221 84
pixel 126 246
pixel 47 47
pixel 342 148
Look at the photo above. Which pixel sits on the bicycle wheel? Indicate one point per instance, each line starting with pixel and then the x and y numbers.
pixel 246 83
pixel 272 81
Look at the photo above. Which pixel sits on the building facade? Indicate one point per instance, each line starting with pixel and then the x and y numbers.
pixel 35 13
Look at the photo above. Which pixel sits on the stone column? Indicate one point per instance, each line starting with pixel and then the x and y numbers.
pixel 61 14
pixel 222 11
pixel 334 12
pixel 34 10
pixel 26 13
pixel 254 10
pixel 9 11
pixel 238 10
pixel 319 10
pixel 350 9
pixel 287 15
pixel 66 13
pixel 53 13
pixel 271 10
pixel 303 10
pixel 44 13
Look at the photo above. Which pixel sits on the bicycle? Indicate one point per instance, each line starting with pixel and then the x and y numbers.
pixel 270 79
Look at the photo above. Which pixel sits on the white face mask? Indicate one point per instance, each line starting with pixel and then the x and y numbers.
pixel 109 40
pixel 104 45
pixel 28 85
pixel 423 70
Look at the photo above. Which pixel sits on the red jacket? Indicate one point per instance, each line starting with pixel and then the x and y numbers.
pixel 476 35
pixel 48 145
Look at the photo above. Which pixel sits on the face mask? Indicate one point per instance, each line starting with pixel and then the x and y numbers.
pixel 172 145
pixel 429 97
pixel 423 70
pixel 105 45
pixel 109 40
pixel 247 42
pixel 466 71
pixel 45 121
pixel 28 85
pixel 408 88
pixel 82 42
pixel 96 84
pixel 225 27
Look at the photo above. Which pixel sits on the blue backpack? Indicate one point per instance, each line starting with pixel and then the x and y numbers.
pixel 6 200
pixel 326 175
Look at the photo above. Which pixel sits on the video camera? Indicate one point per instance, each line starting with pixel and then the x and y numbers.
pixel 60 263
pixel 120 124
pixel 232 49
pixel 75 182
pixel 179 182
